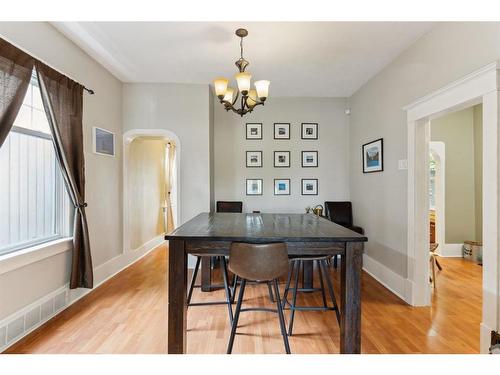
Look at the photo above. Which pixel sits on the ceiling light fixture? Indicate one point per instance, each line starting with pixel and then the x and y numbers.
pixel 250 98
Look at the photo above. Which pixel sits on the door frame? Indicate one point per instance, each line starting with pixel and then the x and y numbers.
pixel 481 86
pixel 128 138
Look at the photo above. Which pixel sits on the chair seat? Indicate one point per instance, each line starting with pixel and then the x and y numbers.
pixel 310 257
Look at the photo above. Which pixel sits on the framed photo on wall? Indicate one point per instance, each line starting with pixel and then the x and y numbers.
pixel 309 186
pixel 282 186
pixel 373 156
pixel 103 141
pixel 254 130
pixel 254 186
pixel 309 130
pixel 281 130
pixel 309 159
pixel 254 159
pixel 282 159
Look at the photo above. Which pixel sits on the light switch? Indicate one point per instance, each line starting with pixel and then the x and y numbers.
pixel 403 164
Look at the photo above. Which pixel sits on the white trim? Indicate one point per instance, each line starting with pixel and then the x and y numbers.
pixel 397 284
pixel 128 137
pixel 102 273
pixel 450 250
pixel 21 258
pixel 480 86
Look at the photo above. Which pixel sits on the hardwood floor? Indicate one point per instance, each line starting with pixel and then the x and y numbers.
pixel 127 314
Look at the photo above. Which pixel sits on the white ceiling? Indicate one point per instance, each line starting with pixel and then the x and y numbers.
pixel 318 59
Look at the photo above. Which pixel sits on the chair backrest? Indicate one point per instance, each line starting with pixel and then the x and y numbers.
pixel 339 212
pixel 226 206
pixel 261 262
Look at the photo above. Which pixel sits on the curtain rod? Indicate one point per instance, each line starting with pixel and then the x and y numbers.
pixel 90 91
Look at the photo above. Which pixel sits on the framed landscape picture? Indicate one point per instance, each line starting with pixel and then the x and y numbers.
pixel 309 130
pixel 282 186
pixel 254 130
pixel 373 156
pixel 103 141
pixel 254 159
pixel 282 159
pixel 309 159
pixel 254 186
pixel 281 130
pixel 309 186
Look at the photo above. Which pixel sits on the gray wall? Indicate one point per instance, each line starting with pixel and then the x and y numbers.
pixel 332 145
pixel 478 170
pixel 446 53
pixel 23 286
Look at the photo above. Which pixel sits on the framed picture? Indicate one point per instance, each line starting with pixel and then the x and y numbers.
pixel 254 159
pixel 309 186
pixel 103 141
pixel 309 130
pixel 309 159
pixel 281 130
pixel 282 159
pixel 282 186
pixel 254 130
pixel 373 156
pixel 254 186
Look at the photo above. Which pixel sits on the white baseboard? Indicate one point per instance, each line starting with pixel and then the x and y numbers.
pixel 397 284
pixel 450 250
pixel 29 318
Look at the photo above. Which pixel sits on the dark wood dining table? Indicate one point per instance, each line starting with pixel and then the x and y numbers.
pixel 304 234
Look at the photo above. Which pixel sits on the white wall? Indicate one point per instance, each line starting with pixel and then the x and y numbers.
pixel 332 146
pixel 184 110
pixel 446 53
pixel 21 287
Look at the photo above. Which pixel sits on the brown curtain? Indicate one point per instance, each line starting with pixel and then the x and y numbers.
pixel 63 101
pixel 15 74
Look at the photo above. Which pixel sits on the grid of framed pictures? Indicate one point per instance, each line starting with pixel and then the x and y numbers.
pixel 282 159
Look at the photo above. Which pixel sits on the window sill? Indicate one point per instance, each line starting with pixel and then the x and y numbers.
pixel 21 258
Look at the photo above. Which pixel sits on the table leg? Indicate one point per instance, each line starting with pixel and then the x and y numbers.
pixel 177 288
pixel 307 275
pixel 350 317
pixel 206 274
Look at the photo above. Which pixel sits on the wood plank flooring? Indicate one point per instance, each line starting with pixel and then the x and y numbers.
pixel 127 314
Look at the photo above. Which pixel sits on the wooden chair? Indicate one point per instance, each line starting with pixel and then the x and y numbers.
pixel 261 263
pixel 434 262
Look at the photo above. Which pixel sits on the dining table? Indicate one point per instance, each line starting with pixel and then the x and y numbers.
pixel 304 234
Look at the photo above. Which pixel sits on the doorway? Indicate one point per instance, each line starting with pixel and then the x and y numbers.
pixel 479 87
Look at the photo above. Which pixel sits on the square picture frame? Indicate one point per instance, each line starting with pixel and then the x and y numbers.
pixel 309 130
pixel 281 159
pixel 281 130
pixel 103 142
pixel 254 186
pixel 254 130
pixel 373 156
pixel 254 159
pixel 309 186
pixel 309 159
pixel 281 186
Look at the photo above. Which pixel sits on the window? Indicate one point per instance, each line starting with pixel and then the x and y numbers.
pixel 34 204
pixel 432 182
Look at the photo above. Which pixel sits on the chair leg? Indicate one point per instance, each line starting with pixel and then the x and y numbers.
pixel 236 317
pixel 330 290
pixel 294 299
pixel 438 265
pixel 322 284
pixel 233 289
pixel 193 279
pixel 287 285
pixel 335 261
pixel 226 287
pixel 270 289
pixel 433 260
pixel 281 316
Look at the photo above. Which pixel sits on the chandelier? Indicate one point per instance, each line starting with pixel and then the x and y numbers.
pixel 249 98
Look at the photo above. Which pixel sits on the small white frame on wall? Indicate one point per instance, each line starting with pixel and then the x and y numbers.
pixel 103 142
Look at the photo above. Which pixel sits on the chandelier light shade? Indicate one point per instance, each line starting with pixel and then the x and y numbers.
pixel 249 98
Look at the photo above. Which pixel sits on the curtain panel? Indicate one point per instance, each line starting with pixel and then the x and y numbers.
pixel 63 103
pixel 16 67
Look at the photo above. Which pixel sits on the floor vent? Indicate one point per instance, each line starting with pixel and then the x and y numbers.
pixel 31 317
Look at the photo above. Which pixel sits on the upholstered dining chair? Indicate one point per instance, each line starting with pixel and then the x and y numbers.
pixel 260 263
pixel 341 213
